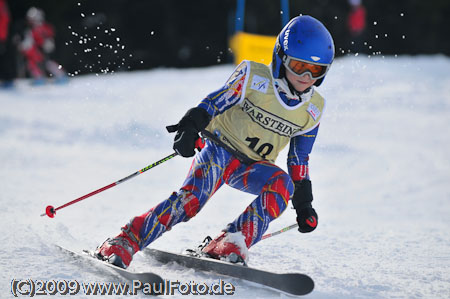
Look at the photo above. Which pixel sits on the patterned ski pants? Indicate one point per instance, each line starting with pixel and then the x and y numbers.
pixel 211 168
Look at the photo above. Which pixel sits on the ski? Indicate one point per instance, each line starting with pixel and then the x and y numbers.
pixel 141 280
pixel 291 283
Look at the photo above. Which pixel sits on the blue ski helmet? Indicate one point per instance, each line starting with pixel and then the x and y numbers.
pixel 304 38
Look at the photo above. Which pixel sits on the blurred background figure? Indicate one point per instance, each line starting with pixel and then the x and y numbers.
pixel 6 57
pixel 37 46
pixel 356 24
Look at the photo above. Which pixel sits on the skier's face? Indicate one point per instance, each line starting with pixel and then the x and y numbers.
pixel 300 83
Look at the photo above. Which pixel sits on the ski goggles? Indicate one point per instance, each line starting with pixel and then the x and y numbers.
pixel 300 67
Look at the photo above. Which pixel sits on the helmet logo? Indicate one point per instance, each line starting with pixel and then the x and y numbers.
pixel 315 58
pixel 286 40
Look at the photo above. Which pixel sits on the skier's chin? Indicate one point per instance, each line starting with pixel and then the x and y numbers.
pixel 302 86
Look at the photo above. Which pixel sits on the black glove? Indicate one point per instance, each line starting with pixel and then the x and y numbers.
pixel 307 218
pixel 194 121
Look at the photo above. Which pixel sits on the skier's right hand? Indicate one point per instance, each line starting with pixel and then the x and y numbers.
pixel 194 121
pixel 184 143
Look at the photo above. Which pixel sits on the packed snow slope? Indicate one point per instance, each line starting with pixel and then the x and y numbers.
pixel 379 168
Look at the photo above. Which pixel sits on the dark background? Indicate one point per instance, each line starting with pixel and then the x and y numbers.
pixel 113 35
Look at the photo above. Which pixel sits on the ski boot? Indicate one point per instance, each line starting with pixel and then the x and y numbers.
pixel 197 252
pixel 118 251
pixel 229 247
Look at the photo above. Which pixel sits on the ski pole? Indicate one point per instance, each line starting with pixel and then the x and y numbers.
pixel 280 231
pixel 50 211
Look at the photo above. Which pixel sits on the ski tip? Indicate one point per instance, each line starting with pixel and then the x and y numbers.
pixel 303 283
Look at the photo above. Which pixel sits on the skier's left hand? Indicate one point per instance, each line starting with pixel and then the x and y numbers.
pixel 307 220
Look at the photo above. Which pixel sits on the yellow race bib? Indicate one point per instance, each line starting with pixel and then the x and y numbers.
pixel 260 125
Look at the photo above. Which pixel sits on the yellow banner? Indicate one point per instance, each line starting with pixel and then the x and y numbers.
pixel 248 46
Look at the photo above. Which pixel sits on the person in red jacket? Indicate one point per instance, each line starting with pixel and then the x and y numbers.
pixel 6 62
pixel 4 21
pixel 37 45
pixel 357 18
pixel 356 24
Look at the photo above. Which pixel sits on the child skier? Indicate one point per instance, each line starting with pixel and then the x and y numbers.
pixel 250 120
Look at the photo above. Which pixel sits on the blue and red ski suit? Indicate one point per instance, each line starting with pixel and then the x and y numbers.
pixel 215 166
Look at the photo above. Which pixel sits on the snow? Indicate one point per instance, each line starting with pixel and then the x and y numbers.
pixel 380 174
